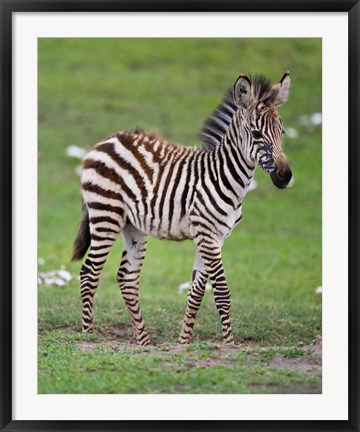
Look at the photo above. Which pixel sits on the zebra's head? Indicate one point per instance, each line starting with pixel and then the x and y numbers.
pixel 258 101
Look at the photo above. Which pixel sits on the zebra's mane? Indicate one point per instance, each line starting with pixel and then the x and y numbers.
pixel 217 124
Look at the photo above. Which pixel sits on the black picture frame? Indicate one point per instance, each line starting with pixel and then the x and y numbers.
pixel 352 8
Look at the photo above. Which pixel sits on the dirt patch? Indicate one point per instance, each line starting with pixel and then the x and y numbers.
pixel 304 365
pixel 305 360
pixel 85 345
pixel 114 346
pixel 120 333
pixel 308 364
pixel 215 361
pixel 112 342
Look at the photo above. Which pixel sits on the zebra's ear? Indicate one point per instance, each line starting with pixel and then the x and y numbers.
pixel 280 91
pixel 242 91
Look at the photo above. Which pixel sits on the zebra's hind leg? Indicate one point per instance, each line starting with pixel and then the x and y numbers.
pixel 103 232
pixel 194 297
pixel 129 276
pixel 211 256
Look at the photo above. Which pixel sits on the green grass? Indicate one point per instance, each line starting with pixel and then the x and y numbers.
pixel 89 88
pixel 70 364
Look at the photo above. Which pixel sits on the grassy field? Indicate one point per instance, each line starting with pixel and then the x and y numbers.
pixel 89 88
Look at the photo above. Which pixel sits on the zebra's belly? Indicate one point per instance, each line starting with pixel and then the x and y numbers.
pixel 207 221
pixel 163 225
pixel 169 231
pixel 233 220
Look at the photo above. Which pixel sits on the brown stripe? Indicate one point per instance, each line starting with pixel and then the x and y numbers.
pixel 88 186
pixel 110 174
pixel 105 207
pixel 100 219
pixel 186 187
pixel 173 192
pixel 109 149
pixel 127 140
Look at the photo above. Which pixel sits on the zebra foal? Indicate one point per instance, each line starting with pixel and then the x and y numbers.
pixel 138 185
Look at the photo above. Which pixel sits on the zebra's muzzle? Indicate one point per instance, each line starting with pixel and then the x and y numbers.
pixel 282 174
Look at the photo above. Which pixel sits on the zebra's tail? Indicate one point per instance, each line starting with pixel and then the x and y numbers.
pixel 83 239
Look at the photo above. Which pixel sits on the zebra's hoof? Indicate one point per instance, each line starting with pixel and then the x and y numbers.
pixel 183 341
pixel 144 342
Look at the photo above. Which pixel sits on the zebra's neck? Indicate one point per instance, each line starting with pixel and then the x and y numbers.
pixel 239 137
pixel 232 160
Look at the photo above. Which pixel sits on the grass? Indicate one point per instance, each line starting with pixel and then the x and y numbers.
pixel 89 88
pixel 70 362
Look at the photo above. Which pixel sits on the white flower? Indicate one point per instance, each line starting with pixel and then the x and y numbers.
pixel 75 151
pixel 184 286
pixel 291 132
pixel 253 185
pixel 316 118
pixel 310 121
pixel 319 290
pixel 78 170
pixel 54 277
pixel 64 274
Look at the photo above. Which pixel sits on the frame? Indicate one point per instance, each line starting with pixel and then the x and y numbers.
pixel 7 8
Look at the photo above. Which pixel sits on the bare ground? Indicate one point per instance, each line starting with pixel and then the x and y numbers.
pixel 308 365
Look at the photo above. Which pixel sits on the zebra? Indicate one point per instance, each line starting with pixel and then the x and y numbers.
pixel 137 184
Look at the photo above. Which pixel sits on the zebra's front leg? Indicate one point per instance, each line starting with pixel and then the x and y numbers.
pixel 194 297
pixel 211 256
pixel 129 276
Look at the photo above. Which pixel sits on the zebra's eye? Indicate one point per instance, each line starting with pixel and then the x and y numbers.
pixel 256 134
pixel 283 132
